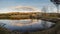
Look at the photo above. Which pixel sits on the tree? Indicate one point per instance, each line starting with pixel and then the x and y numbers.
pixel 57 3
pixel 44 9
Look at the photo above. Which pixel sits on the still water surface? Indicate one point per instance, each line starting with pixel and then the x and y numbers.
pixel 26 24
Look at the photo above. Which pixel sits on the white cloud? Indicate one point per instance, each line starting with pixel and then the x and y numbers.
pixel 19 9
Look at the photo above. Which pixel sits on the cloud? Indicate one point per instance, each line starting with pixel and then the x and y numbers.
pixel 50 9
pixel 25 8
pixel 19 9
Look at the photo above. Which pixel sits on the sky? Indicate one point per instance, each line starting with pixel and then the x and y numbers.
pixel 10 5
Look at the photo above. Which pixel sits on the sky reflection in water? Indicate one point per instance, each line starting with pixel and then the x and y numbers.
pixel 24 25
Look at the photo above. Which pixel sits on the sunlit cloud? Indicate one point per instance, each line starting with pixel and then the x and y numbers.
pixel 19 9
pixel 50 9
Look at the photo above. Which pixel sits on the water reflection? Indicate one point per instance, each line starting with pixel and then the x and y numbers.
pixel 26 24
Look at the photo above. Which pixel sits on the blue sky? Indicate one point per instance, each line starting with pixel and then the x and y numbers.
pixel 34 3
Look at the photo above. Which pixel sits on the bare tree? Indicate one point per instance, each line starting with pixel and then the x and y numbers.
pixel 44 9
pixel 57 3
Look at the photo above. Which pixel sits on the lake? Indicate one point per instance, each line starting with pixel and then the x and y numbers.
pixel 26 24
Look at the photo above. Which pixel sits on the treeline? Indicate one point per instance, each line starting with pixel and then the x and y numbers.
pixel 31 15
pixel 51 15
pixel 18 15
